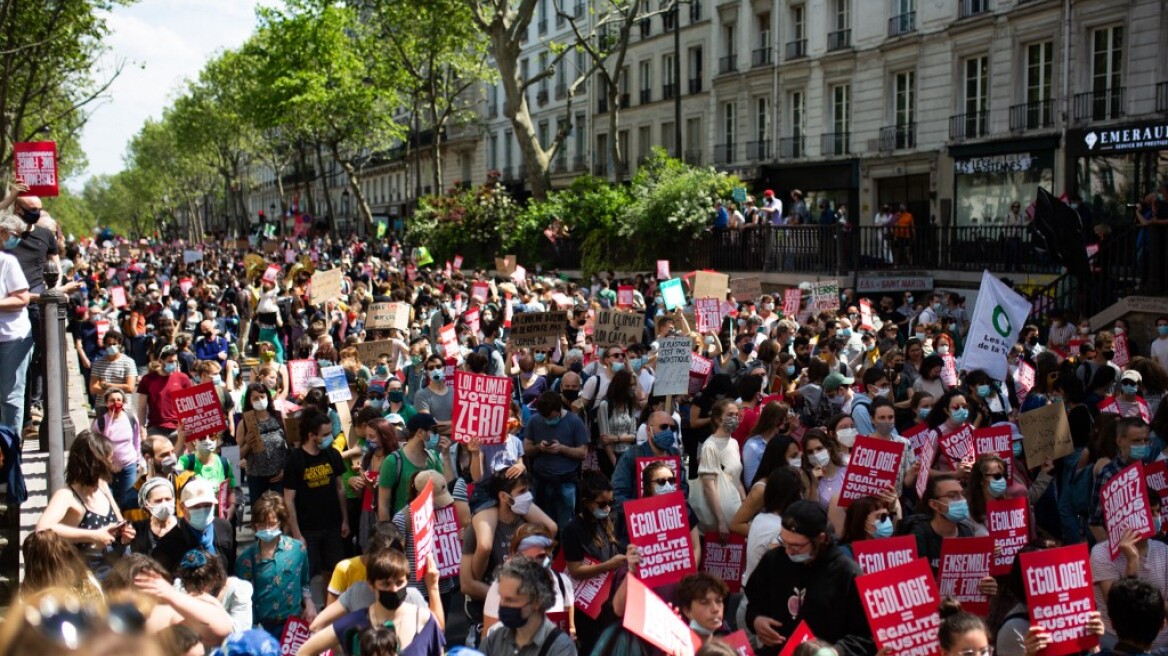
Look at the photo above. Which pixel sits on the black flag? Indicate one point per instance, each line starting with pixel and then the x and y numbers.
pixel 1061 228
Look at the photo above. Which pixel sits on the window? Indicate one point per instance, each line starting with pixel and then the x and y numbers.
pixel 543 66
pixel 797 116
pixel 669 18
pixel 667 69
pixel 693 140
pixel 562 151
pixel 729 39
pixel 976 92
pixel 601 155
pixel 762 119
pixel 646 73
pixel 508 137
pixel 644 141
pixel 542 134
pixel 623 142
pixel 695 11
pixel 1107 59
pixel 798 25
pixel 841 104
pixel 581 134
pixel 764 30
pixel 842 16
pixel 905 110
pixel 695 69
pixel 667 137
pixel 728 122
pixel 1039 71
pixel 493 151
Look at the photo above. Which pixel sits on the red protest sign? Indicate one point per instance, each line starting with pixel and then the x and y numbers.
pixel 916 436
pixel 663 270
pixel 1023 380
pixel 447 545
pixel 708 312
pixel 901 604
pixel 185 284
pixel 118 296
pixel 295 634
pixel 872 469
pixel 272 273
pixel 449 339
pixel 1122 353
pixel 592 593
pixel 36 166
pixel 457 264
pixel 949 370
pixel 422 519
pixel 1126 507
pixel 648 617
pixel 1007 522
pixel 1060 597
pixel 480 291
pixel 699 372
pixel 964 563
pixel 866 314
pixel 998 440
pixel 624 296
pixel 957 445
pixel 1157 476
pixel 471 317
pixel 674 463
pixel 299 373
pixel 199 411
pixel 801 635
pixel 725 560
pixel 792 298
pixel 884 553
pixel 659 527
pixel 102 326
pixel 481 407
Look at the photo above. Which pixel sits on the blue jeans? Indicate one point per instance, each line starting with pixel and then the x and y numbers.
pixel 122 487
pixel 556 499
pixel 15 355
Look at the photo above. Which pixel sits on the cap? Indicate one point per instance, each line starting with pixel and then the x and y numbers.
pixel 442 496
pixel 197 492
pixel 377 385
pixel 835 380
pixel 768 192
pixel 806 518
pixel 420 421
pixel 1132 375
pixel 395 419
pixel 167 351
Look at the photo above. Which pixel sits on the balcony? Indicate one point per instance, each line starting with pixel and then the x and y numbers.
pixel 646 96
pixel 1032 116
pixel 835 144
pixel 758 151
pixel 541 97
pixel 600 169
pixel 695 85
pixel 724 153
pixel 898 137
pixel 560 163
pixel 761 57
pixel 839 40
pixel 668 91
pixel 602 105
pixel 693 157
pixel 968 8
pixel 971 125
pixel 561 91
pixel 580 163
pixel 902 24
pixel 792 147
pixel 1162 97
pixel 543 27
pixel 796 49
pixel 624 101
pixel 1099 105
pixel 728 64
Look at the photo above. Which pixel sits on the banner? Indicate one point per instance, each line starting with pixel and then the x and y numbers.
pixel 659 527
pixel 792 299
pixel 1126 506
pixel 998 317
pixel 958 445
pixel 36 166
pixel 471 317
pixel 725 560
pixel 336 383
pixel 873 468
pixel 1060 596
pixel 964 563
pixel 1006 520
pixel 448 338
pixel 481 407
pixel 700 370
pixel 191 256
pixel 674 463
pixel 998 440
pixel 901 604
pixel 537 330
pixel 708 312
pixel 663 269
pixel 884 553
pixel 624 296
pixel 614 328
pixel 674 360
pixel 295 634
pixel 648 617
pixel 447 545
pixel 325 286
pixel 801 635
pixel 1110 405
pixel 1156 475
pixel 672 293
pixel 299 373
pixel 199 411
pixel 592 593
pixel 926 457
pixel 422 521
pixel 708 284
pixel 383 316
pixel 185 284
pixel 1046 434
pixel 825 297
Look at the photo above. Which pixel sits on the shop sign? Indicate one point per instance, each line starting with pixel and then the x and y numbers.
pixel 875 284
pixel 1009 163
pixel 1151 136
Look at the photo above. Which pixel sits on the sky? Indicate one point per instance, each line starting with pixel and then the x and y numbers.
pixel 163 42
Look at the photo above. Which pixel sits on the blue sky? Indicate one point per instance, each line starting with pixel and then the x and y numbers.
pixel 163 42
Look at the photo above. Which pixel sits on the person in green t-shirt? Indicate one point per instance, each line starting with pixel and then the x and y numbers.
pixel 208 465
pixel 397 470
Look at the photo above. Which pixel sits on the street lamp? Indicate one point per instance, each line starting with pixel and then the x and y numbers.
pixel 345 208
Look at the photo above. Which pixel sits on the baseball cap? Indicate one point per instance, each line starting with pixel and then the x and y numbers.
pixel 395 419
pixel 167 351
pixel 422 420
pixel 768 192
pixel 835 380
pixel 197 492
pixel 806 518
pixel 1132 375
pixel 442 496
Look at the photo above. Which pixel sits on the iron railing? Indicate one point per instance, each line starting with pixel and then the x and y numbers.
pixel 646 96
pixel 835 144
pixel 1162 97
pixel 898 137
pixel 969 126
pixel 969 8
pixel 797 49
pixel 728 64
pixel 902 24
pixel 724 153
pixel 693 157
pixel 792 147
pixel 695 85
pixel 1032 116
pixel 668 91
pixel 839 39
pixel 761 57
pixel 1100 105
pixel 758 151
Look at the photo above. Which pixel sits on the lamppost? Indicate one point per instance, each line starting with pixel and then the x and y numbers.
pixel 278 219
pixel 345 210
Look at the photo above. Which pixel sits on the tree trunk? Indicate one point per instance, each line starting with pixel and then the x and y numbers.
pixel 436 127
pixel 309 204
pixel 614 151
pixel 324 178
pixel 535 159
pixel 355 187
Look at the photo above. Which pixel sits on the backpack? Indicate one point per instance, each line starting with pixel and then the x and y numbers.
pixel 400 468
pixel 490 350
pixel 103 421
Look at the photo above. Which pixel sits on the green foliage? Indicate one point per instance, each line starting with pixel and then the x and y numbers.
pixel 464 222
pixel 72 211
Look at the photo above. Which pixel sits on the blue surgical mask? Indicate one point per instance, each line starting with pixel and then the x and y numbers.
pixel 1163 330
pixel 1018 451
pixel 846 332
pixel 961 416
pixel 169 367
pixel 432 441
pixel 326 442
pixel 11 243
pixel 268 534
pixel 540 357
pixel 958 511
pixel 790 370
pixel 1130 389
pixel 665 439
pixel 667 488
pixel 697 628
pixel 923 413
pixel 637 363
pixel 1140 451
pixel 799 558
pixel 998 487
pixel 200 518
pixel 983 391
pixel 618 367
pixel 883 528
pixel 376 404
pixel 601 513
pixel 551 422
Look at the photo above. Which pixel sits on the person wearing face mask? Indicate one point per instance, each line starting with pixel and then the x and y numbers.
pixel 838 391
pixel 557 442
pixel 807 579
pixel 395 400
pixel 701 598
pixel 1127 402
pixel 262 442
pixel 1133 443
pixel 420 452
pixel 314 493
pixel 876 385
pixel 156 390
pixel 824 466
pixel 200 529
pixel 418 630
pixel 206 463
pixel 988 480
pixel 532 541
pixel 528 384
pixel 944 514
pixel 664 441
pixel 526 593
pixel 113 371
pixel 1139 558
pixel 124 433
pixel 156 497
pixel 404 522
pixel 436 399
pixel 950 413
pixel 868 518
pixel 720 471
pixel 210 345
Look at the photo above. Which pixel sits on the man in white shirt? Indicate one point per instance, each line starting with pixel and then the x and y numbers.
pixel 15 327
pixel 1159 348
pixel 771 208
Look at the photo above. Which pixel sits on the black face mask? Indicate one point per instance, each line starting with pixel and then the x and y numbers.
pixel 571 395
pixel 31 216
pixel 576 367
pixel 1110 355
pixel 391 599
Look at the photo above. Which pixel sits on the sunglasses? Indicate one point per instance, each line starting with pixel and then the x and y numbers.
pixel 665 427
pixel 435 368
pixel 996 477
pixel 664 481
pixel 618 356
pixel 603 504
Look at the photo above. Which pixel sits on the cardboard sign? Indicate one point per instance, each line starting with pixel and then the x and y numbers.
pixel 674 463
pixel 998 440
pixel 747 288
pixel 663 269
pixel 873 468
pixel 672 293
pixel 295 634
pixel 957 445
pixel 505 265
pixel 624 296
pixel 964 563
pixel 659 527
pixel 325 286
pixel 383 316
pixel 299 373
pixel 118 296
pixel 708 312
pixel 1122 353
pixel 1045 434
pixel 369 353
pixel 615 328
pixel 725 560
pixel 884 553
pixel 480 291
pixel 901 604
pixel 1060 597
pixel 481 407
pixel 866 315
pixel 825 297
pixel 674 361
pixel 708 284
pixel 648 617
pixel 700 370
pixel 801 635
pixel 1126 506
pixel 1006 520
pixel 447 545
pixel 199 411
pixel 949 370
pixel 36 165
pixel 792 299
pixel 336 383
pixel 537 330
pixel 591 594
pixel 422 520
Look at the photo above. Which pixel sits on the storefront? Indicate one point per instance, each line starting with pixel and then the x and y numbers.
pixel 1110 167
pixel 836 181
pixel 988 177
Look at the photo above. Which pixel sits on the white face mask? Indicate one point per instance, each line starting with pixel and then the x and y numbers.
pixel 261 404
pixel 795 462
pixel 821 458
pixel 846 436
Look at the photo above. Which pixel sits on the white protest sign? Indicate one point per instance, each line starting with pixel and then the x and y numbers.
pixel 674 355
